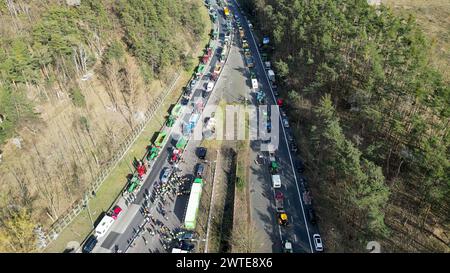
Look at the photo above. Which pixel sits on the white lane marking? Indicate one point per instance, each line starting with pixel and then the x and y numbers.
pixel 284 134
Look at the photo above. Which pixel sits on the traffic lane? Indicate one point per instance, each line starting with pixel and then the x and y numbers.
pixel 297 233
pixel 262 205
pixel 263 214
pixel 155 172
pixel 113 238
pixel 266 88
pixel 177 205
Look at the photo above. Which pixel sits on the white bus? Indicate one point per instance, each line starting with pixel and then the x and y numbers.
pixel 190 219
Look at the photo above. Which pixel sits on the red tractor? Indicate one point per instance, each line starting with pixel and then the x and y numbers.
pixel 141 169
pixel 175 156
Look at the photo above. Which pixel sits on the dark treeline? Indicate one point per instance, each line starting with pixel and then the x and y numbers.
pixel 379 114
pixel 56 43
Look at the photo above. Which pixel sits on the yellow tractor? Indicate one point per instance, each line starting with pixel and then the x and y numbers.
pixel 282 218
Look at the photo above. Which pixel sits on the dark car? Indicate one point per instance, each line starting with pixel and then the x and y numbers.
pixel 294 147
pixel 201 152
pixel 184 101
pixel 185 245
pixel 312 216
pixel 269 127
pixel 186 236
pixel 187 91
pixel 90 244
pixel 199 170
pixel 300 166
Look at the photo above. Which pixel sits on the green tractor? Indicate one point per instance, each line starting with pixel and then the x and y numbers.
pixel 153 152
pixel 274 167
pixel 170 121
pixel 133 183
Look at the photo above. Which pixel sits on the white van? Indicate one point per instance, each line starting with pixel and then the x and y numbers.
pixel 271 75
pixel 255 84
pixel 210 86
pixel 276 181
pixel 103 226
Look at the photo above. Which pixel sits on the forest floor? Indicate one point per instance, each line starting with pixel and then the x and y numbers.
pixel 434 18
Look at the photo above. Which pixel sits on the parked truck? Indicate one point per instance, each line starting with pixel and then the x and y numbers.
pixel 255 85
pixel 271 75
pixel 241 32
pixel 249 61
pixel 152 152
pixel 181 143
pixel 279 204
pixel 133 183
pixel 276 181
pixel 223 53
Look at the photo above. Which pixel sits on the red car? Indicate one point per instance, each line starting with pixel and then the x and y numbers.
pixel 279 195
pixel 280 102
pixel 115 212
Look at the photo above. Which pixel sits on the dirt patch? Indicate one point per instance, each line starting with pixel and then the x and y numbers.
pixel 243 239
pixel 222 208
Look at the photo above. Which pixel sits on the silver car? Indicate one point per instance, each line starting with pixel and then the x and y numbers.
pixel 166 174
pixel 317 242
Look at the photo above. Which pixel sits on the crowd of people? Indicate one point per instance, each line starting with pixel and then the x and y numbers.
pixel 155 201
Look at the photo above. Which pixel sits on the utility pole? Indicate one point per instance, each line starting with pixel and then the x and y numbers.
pixel 86 205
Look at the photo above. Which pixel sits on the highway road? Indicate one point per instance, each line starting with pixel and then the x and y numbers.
pixel 233 85
pixel 300 231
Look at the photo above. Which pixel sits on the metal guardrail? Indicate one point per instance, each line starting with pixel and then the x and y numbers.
pixel 78 206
